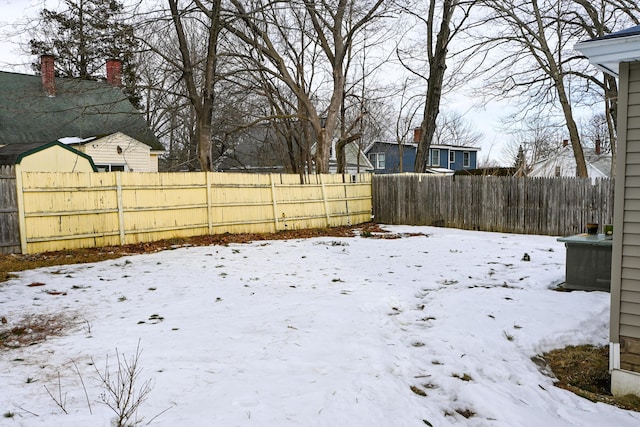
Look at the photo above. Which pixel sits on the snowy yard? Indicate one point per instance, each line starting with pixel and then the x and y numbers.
pixel 319 332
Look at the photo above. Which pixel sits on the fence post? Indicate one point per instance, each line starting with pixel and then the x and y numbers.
pixel 346 198
pixel 274 200
pixel 324 198
pixel 123 237
pixel 22 223
pixel 209 213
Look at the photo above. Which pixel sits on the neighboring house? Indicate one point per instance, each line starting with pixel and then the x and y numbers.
pixel 41 109
pixel 257 149
pixel 357 161
pixel 49 157
pixel 116 152
pixel 618 54
pixel 386 157
pixel 563 163
pixel 260 149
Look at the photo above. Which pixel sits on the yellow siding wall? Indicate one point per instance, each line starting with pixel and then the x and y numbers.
pixel 133 153
pixel 74 210
pixel 55 159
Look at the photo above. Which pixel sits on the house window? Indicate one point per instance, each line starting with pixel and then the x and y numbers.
pixel 435 157
pixel 377 160
pixel 110 168
pixel 466 159
pixel 452 157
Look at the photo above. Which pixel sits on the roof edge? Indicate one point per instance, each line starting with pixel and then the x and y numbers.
pixel 606 53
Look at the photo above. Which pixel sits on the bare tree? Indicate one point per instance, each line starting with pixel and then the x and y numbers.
pixel 333 27
pixel 536 139
pixel 278 103
pixel 177 112
pixel 595 133
pixel 405 119
pixel 596 18
pixel 363 97
pixel 444 20
pixel 166 107
pixel 453 129
pixel 199 86
pixel 535 38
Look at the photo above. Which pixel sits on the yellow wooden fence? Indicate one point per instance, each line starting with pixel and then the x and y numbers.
pixel 77 210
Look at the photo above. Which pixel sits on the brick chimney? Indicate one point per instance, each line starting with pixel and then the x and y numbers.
pixel 114 72
pixel 598 147
pixel 47 70
pixel 417 133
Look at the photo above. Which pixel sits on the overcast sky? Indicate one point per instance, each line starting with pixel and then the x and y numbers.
pixel 13 12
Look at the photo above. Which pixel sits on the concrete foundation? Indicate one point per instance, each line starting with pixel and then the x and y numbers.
pixel 625 382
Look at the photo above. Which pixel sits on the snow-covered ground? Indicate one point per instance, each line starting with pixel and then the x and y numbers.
pixel 318 332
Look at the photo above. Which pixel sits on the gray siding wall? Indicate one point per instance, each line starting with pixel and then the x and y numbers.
pixel 625 316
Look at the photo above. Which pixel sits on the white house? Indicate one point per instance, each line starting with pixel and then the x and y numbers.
pixel 563 163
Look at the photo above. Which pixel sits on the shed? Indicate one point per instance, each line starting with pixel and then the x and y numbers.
pixel 618 54
pixel 47 157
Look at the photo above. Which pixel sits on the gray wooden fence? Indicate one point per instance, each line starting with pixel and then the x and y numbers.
pixel 546 206
pixel 9 227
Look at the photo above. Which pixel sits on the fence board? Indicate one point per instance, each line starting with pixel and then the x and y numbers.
pixel 546 206
pixel 9 229
pixel 76 210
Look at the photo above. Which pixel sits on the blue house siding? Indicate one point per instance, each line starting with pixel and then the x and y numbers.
pixel 391 154
pixel 392 157
pixel 460 154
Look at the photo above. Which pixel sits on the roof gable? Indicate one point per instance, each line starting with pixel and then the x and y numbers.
pixel 81 108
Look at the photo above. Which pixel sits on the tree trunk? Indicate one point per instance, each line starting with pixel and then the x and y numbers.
pixel 611 113
pixel 574 135
pixel 340 151
pixel 341 158
pixel 202 101
pixel 437 68
pixel 204 144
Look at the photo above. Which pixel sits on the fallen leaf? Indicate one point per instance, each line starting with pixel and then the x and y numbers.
pixel 36 284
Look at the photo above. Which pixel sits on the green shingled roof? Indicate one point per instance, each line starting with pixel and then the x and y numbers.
pixel 80 108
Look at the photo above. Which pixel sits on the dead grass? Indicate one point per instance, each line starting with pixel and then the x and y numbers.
pixel 32 329
pixel 584 370
pixel 15 263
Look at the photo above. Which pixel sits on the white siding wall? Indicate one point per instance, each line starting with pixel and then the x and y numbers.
pixel 135 155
